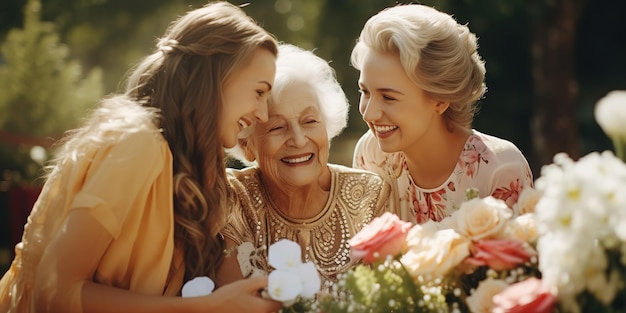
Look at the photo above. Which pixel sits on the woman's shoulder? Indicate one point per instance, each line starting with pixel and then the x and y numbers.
pixel 362 189
pixel 343 170
pixel 499 147
pixel 244 182
pixel 116 121
pixel 500 156
pixel 357 177
pixel 242 174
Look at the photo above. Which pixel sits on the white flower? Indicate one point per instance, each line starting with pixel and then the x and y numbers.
pixel 582 196
pixel 610 113
pixel 563 261
pixel 579 216
pixel 285 255
pixel 284 286
pixel 291 278
pixel 310 280
pixel 197 287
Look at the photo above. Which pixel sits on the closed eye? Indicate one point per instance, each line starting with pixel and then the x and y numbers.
pixel 388 98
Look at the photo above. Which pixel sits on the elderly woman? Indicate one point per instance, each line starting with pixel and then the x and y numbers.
pixel 291 191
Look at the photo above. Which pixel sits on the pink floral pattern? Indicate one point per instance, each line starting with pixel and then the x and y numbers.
pixel 493 166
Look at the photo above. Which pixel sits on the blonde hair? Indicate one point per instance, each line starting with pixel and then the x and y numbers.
pixel 295 65
pixel 439 55
pixel 178 88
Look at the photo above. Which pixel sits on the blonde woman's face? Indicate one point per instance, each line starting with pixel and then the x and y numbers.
pixel 399 113
pixel 245 96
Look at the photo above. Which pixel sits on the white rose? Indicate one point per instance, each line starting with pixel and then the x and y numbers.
pixel 482 218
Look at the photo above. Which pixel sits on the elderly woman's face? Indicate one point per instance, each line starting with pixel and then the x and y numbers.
pixel 292 146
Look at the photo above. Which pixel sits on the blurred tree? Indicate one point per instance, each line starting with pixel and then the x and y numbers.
pixel 9 17
pixel 554 122
pixel 42 94
pixel 114 34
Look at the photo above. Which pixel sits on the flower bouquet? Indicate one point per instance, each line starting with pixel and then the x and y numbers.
pixel 455 265
pixel 561 249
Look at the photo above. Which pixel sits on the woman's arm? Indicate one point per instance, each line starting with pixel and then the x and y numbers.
pixel 230 270
pixel 65 280
pixel 240 296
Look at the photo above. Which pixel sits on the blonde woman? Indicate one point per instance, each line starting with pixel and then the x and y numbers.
pixel 124 213
pixel 420 78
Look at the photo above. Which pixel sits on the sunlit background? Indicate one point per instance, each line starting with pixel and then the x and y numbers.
pixel 548 62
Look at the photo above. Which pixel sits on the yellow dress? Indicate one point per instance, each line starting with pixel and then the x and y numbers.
pixel 355 197
pixel 127 186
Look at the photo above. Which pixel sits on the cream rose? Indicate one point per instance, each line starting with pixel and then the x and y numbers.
pixel 433 254
pixel 527 201
pixel 482 218
pixel 523 228
pixel 481 300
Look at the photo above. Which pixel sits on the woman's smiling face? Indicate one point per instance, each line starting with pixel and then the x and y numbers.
pixel 245 96
pixel 292 147
pixel 398 112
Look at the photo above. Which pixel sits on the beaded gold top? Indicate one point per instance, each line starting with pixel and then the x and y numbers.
pixel 355 197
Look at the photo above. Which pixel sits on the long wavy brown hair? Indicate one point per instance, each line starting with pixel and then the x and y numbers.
pixel 183 79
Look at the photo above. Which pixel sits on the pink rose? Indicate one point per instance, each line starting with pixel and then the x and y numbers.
pixel 500 254
pixel 384 236
pixel 529 295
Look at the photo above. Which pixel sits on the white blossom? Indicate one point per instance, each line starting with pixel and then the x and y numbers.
pixel 197 287
pixel 610 113
pixel 291 278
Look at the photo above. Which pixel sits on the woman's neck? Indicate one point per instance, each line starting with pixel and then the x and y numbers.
pixel 301 202
pixel 431 163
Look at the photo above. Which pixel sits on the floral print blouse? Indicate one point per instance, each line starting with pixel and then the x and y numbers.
pixel 493 166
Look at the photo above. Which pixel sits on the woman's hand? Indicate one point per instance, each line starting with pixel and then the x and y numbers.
pixel 243 296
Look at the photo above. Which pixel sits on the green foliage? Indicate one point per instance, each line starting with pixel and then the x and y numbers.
pixel 381 288
pixel 42 94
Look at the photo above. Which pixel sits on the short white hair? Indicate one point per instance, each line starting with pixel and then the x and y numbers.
pixel 296 65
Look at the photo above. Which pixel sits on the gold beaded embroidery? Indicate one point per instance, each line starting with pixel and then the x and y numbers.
pixel 355 197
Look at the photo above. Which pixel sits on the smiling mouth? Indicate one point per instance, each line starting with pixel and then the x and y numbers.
pixel 298 159
pixel 384 129
pixel 244 123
